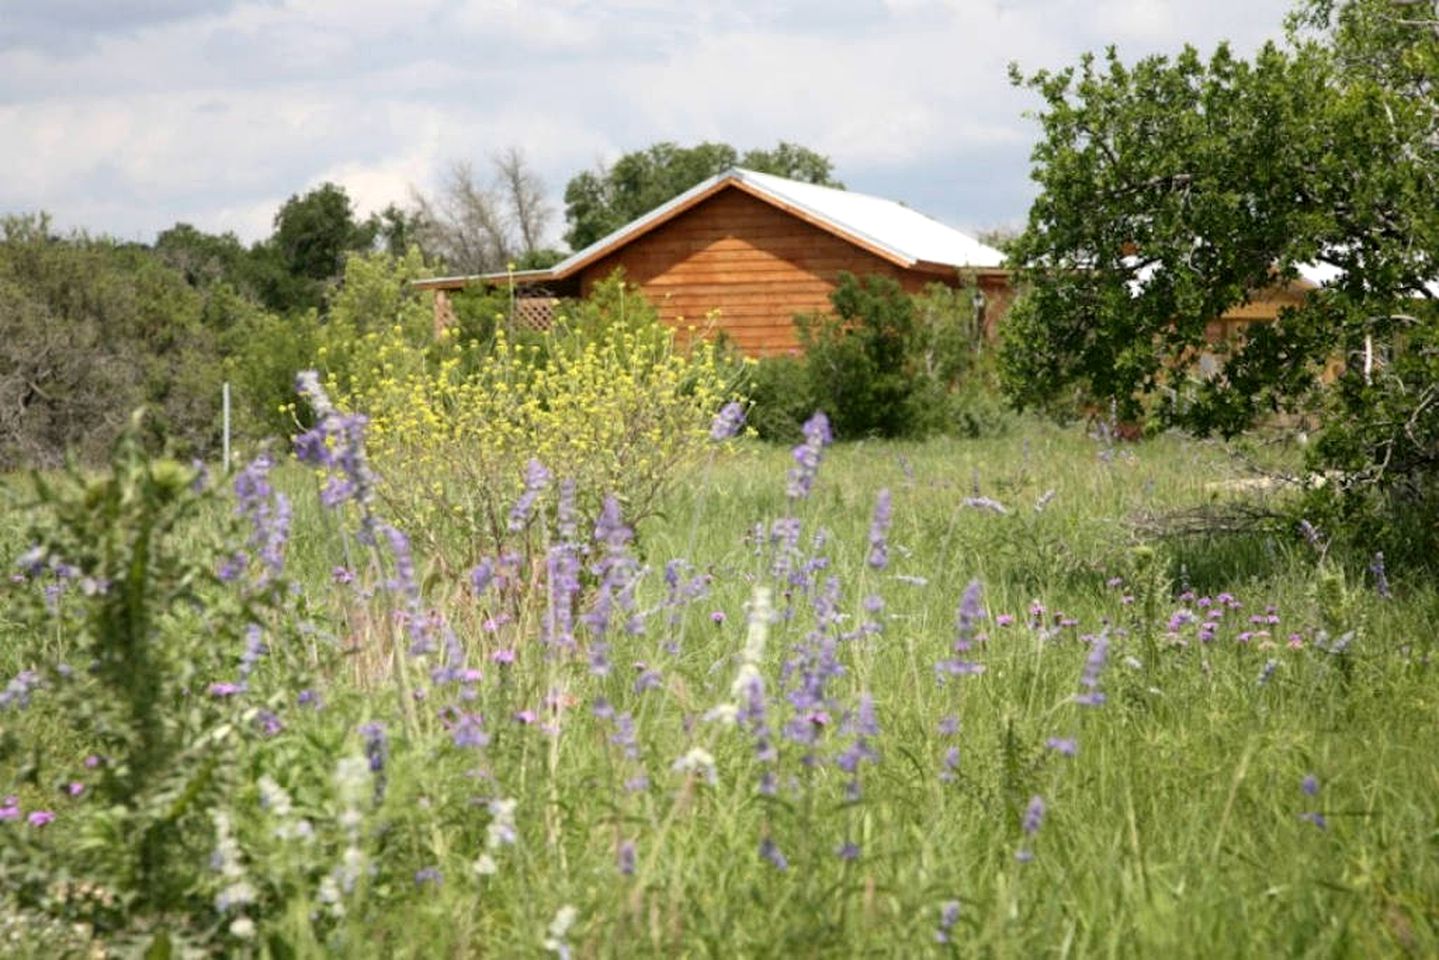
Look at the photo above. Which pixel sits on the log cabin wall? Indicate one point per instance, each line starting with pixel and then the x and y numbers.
pixel 754 263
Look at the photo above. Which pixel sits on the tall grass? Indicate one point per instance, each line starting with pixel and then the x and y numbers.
pixel 843 777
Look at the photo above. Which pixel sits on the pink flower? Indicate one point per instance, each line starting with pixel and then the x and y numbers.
pixel 75 788
pixel 11 809
pixel 39 818
pixel 1004 619
pixel 503 656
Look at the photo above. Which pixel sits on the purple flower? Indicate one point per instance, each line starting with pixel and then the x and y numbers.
pixel 536 479
pixel 1093 667
pixel 10 810
pixel 625 858
pixel 717 617
pixel 17 691
pixel 429 875
pixel 377 749
pixel 74 788
pixel 1033 815
pixel 948 917
pixel 1315 818
pixel 807 456
pixel 469 731
pixel 879 531
pixel 985 504
pixel 1268 671
pixel 1310 785
pixel 225 689
pixel 39 818
pixel 771 852
pixel 847 851
pixel 727 422
pixel 268 722
pixel 342 575
pixel 1066 746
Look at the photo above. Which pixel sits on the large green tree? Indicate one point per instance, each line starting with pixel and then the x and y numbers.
pixel 600 201
pixel 1177 188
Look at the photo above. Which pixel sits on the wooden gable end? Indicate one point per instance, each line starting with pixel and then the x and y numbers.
pixel 755 264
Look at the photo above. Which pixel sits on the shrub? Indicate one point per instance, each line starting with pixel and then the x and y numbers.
pixel 605 401
pixel 779 392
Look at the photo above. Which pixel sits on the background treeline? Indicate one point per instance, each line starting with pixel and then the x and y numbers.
pixel 91 326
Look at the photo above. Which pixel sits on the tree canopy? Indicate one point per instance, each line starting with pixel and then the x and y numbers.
pixel 1178 188
pixel 600 201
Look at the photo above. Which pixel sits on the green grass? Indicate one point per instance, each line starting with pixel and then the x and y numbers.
pixel 1176 830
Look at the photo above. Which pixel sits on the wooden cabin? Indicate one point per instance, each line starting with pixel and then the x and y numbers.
pixel 744 252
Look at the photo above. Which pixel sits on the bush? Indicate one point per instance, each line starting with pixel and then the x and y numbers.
pixel 884 365
pixel 605 401
pixel 779 393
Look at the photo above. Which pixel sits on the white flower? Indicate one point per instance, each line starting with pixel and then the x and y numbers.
pixel 698 760
pixel 485 866
pixel 242 928
pixel 560 930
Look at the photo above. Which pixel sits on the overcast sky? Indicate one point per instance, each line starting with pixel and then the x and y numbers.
pixel 125 116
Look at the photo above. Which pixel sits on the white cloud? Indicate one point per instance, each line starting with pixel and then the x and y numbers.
pixel 216 112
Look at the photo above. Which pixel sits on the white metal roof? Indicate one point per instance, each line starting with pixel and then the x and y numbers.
pixel 906 234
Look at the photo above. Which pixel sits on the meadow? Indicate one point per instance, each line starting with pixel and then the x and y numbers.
pixel 944 698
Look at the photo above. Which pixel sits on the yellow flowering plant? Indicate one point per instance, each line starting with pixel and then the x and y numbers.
pixel 606 399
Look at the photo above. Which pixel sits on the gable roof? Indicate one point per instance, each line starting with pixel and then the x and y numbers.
pixel 890 230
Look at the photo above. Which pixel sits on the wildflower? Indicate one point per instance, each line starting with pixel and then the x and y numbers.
pixel 429 875
pixel 848 851
pixel 727 422
pixel 1004 619
pixel 1093 666
pixel 1315 818
pixel 469 731
pixel 377 748
pixel 625 858
pixel 17 691
pixel 38 818
pixel 224 689
pixel 807 456
pixel 985 504
pixel 771 852
pixel 1065 746
pixel 699 761
pixel 557 936
pixel 1043 501
pixel 1033 815
pixel 879 531
pixel 10 810
pixel 75 788
pixel 718 617
pixel 1268 671
pixel 948 917
pixel 1310 785
pixel 536 479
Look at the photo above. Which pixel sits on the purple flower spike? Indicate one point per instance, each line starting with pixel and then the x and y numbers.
pixel 771 852
pixel 1310 785
pixel 727 422
pixel 625 858
pixel 1034 815
pixel 879 531
pixel 807 456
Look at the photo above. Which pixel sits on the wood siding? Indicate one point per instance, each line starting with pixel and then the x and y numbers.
pixel 752 265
